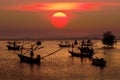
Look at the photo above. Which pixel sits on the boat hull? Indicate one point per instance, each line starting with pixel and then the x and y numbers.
pixel 63 45
pixel 98 62
pixel 29 59
pixel 79 54
pixel 13 48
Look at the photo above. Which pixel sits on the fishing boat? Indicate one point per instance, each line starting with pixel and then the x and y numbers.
pixel 64 44
pixel 99 62
pixel 80 54
pixel 13 46
pixel 84 51
pixel 86 47
pixel 29 59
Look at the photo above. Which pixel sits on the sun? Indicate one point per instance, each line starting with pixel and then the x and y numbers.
pixel 59 19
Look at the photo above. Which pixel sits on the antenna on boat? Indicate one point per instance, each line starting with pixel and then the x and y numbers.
pixel 32 47
pixel 21 48
pixel 72 47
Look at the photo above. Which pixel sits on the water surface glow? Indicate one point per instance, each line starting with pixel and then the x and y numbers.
pixel 60 66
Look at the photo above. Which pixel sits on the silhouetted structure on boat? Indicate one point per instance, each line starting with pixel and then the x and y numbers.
pixel 30 59
pixel 64 44
pixel 38 43
pixel 86 50
pixel 75 42
pixel 109 39
pixel 99 62
pixel 86 47
pixel 87 43
pixel 13 46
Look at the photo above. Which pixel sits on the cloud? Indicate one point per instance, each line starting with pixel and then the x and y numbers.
pixel 70 6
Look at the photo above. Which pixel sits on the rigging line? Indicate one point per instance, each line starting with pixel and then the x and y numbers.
pixel 26 52
pixel 51 53
pixel 35 47
pixel 27 43
pixel 30 42
pixel 30 49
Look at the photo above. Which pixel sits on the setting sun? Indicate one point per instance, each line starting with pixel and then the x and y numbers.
pixel 59 14
pixel 59 19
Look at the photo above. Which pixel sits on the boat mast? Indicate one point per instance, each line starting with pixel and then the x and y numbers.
pixel 21 49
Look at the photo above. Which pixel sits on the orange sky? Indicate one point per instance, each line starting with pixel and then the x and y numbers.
pixel 33 18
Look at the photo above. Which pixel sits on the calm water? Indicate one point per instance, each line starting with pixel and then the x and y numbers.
pixel 60 65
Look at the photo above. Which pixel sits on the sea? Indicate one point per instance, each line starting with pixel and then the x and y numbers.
pixel 58 64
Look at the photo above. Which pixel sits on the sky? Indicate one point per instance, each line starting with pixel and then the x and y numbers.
pixel 32 18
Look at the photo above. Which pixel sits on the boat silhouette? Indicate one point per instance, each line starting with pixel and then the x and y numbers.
pixel 29 59
pixel 99 62
pixel 13 46
pixel 64 44
pixel 85 51
pixel 76 54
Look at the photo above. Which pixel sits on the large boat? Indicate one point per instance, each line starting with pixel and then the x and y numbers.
pixel 86 47
pixel 99 62
pixel 13 46
pixel 29 59
pixel 85 51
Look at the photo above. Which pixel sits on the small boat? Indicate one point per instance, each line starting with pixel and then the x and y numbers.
pixel 29 59
pixel 13 46
pixel 80 54
pixel 63 45
pixel 99 62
